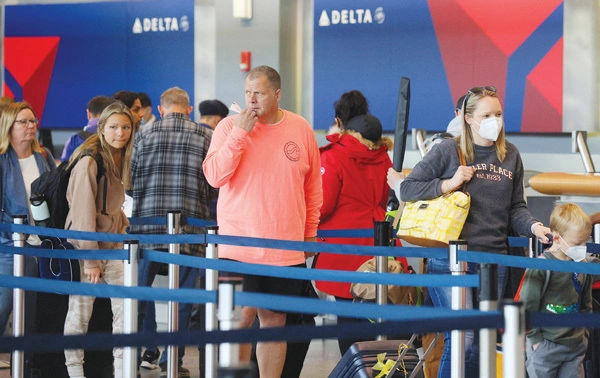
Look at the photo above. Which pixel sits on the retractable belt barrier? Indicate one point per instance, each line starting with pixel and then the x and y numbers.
pixel 417 319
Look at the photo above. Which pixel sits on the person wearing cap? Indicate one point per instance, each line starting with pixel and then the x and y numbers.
pixel 355 193
pixel 212 112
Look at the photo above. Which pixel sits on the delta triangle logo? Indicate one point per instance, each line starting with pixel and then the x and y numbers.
pixel 29 62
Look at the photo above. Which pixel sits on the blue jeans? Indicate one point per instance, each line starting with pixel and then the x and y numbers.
pixel 147 313
pixel 6 294
pixel 441 297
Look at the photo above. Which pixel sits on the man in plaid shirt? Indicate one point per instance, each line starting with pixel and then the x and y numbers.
pixel 166 170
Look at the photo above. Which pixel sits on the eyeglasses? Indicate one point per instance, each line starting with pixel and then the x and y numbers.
pixel 25 122
pixel 474 90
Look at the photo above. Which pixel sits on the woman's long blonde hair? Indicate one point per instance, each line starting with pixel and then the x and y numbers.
pixel 97 144
pixel 466 138
pixel 7 121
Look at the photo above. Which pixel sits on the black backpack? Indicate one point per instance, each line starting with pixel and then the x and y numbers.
pixel 84 134
pixel 52 186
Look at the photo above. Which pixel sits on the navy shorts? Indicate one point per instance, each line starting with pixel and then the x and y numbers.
pixel 270 285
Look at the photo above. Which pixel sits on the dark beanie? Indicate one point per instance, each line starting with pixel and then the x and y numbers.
pixel 213 107
pixel 367 125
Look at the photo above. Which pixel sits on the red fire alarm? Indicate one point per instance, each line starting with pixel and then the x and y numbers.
pixel 245 57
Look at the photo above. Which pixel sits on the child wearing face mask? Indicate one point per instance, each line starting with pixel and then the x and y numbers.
pixel 559 352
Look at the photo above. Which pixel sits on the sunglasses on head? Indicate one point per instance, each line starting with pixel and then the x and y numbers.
pixel 474 90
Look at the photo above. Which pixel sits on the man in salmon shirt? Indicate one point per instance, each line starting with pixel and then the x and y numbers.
pixel 265 162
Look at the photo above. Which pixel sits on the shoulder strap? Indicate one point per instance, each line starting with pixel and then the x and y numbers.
pixel 104 196
pixel 546 281
pixel 544 287
pixel 1 192
pixel 84 134
pixel 461 156
pixel 101 172
pixel 463 161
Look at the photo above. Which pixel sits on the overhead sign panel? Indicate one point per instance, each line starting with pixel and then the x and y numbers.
pixel 57 57
pixel 445 48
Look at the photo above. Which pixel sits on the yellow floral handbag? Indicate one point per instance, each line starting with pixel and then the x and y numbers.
pixel 434 222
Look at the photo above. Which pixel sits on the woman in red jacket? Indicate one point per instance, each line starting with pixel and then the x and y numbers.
pixel 354 166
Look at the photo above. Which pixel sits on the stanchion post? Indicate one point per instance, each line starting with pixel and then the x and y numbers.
pixel 459 295
pixel 488 301
pixel 536 247
pixel 173 228
pixel 18 357
pixel 381 238
pixel 229 318
pixel 532 247
pixel 130 307
pixel 513 340
pixel 210 351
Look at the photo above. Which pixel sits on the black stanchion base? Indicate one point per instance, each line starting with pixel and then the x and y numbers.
pixel 238 372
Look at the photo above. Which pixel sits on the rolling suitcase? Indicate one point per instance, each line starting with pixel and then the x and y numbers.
pixel 358 361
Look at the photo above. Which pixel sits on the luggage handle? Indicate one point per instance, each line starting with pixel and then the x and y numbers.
pixel 421 360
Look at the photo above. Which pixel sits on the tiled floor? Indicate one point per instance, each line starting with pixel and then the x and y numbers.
pixel 320 361
pixel 322 356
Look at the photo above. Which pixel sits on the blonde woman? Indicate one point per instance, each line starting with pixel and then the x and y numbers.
pixel 87 194
pixel 494 179
pixel 22 160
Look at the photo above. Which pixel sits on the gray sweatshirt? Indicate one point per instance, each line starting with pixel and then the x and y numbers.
pixel 496 191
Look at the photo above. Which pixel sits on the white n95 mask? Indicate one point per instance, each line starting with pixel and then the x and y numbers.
pixel 577 253
pixel 490 128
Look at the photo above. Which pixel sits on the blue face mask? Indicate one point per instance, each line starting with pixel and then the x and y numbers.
pixel 576 253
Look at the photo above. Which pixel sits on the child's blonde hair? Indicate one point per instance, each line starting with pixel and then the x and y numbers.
pixel 569 216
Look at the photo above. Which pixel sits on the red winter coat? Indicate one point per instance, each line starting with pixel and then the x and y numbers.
pixel 355 193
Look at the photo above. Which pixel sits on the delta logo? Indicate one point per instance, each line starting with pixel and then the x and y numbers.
pixel 351 17
pixel 160 24
pixel 29 79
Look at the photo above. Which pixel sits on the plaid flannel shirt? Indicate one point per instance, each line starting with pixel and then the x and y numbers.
pixel 166 169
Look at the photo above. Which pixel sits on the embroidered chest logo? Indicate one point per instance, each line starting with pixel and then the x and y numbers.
pixel 292 151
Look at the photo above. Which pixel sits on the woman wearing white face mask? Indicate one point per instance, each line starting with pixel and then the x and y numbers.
pixel 494 179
